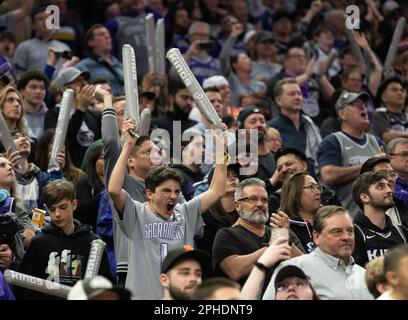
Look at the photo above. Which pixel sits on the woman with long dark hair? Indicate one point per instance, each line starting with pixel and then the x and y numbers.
pixel 300 199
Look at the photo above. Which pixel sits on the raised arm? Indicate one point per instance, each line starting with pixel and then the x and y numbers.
pixel 110 134
pixel 375 76
pixel 236 30
pixel 115 185
pixel 339 175
pixel 23 10
pixel 276 252
pixel 217 187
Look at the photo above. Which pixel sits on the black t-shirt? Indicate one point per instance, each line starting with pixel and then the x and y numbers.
pixel 236 240
pixel 215 219
pixel 304 231
pixel 266 166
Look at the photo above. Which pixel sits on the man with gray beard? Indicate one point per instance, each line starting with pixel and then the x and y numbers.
pixel 236 249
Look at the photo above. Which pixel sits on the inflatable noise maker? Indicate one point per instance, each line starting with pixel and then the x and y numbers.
pixel 392 51
pixel 132 94
pixel 61 130
pixel 192 85
pixel 155 38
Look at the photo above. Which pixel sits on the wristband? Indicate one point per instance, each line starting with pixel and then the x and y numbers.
pixel 261 266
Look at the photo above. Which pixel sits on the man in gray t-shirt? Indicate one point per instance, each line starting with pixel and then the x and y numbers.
pixel 161 224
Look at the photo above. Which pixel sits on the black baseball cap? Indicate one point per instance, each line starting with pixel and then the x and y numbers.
pixel 187 252
pixel 290 271
pixel 231 166
pixel 148 95
pixel 245 113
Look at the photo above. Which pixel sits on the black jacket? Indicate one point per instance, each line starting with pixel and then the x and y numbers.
pixel 215 218
pixel 372 242
pixel 189 178
pixel 55 256
pixel 78 139
pixel 166 122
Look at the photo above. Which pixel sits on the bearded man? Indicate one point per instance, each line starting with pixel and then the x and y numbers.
pixel 236 249
pixel 253 121
pixel 180 103
pixel 375 233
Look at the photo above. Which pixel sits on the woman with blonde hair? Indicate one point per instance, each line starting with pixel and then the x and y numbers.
pixel 273 139
pixel 12 109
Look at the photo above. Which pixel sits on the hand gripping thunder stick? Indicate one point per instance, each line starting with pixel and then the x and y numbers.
pixel 392 51
pixel 61 130
pixel 95 258
pixel 355 48
pixel 130 78
pixel 201 99
pixel 36 284
pixel 151 42
pixel 145 119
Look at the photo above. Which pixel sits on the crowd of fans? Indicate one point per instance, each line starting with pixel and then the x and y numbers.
pixel 315 207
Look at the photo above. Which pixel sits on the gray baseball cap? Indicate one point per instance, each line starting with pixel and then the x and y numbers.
pixel 348 97
pixel 68 75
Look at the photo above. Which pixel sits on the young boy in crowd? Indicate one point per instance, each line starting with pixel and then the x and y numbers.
pixel 60 252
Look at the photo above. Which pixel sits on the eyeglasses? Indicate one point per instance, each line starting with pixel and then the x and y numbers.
pixel 297 284
pixel 254 199
pixel 314 186
pixel 403 154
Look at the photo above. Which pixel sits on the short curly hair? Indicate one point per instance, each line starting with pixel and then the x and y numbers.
pixel 157 176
